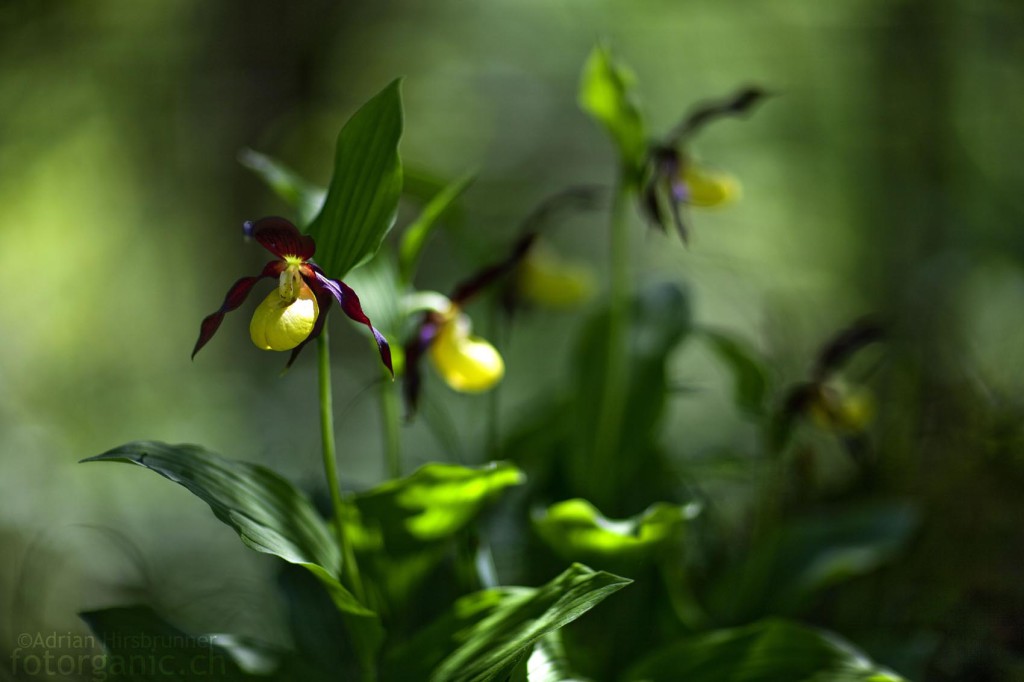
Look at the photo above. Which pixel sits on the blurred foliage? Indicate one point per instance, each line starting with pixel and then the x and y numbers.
pixel 884 178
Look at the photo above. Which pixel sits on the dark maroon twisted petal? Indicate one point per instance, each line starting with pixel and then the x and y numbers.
pixel 236 296
pixel 677 213
pixel 470 287
pixel 841 347
pixel 664 181
pixel 281 238
pixel 650 205
pixel 349 302
pixel 736 105
pixel 415 348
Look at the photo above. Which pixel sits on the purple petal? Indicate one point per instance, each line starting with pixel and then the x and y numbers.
pixel 468 288
pixel 679 191
pixel 415 348
pixel 677 218
pixel 841 347
pixel 349 302
pixel 706 112
pixel 281 238
pixel 650 204
pixel 236 296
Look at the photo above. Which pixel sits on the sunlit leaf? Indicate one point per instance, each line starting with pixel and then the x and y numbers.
pixel 300 194
pixel 486 634
pixel 785 568
pixel 769 651
pixel 269 514
pixel 433 502
pixel 362 198
pixel 404 529
pixel 575 529
pixel 416 234
pixel 606 93
pixel 750 379
pixel 547 662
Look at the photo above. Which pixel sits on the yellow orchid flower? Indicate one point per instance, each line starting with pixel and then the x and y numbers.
pixel 545 278
pixel 673 179
pixel 467 363
pixel 293 313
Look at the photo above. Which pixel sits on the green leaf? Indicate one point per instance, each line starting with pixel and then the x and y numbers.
pixel 302 195
pixel 362 199
pixel 269 514
pixel 576 530
pixel 416 234
pixel 768 651
pixel 380 292
pixel 782 571
pixel 606 93
pixel 140 645
pixel 486 634
pixel 404 529
pixel 316 628
pixel 433 502
pixel 750 379
pixel 548 661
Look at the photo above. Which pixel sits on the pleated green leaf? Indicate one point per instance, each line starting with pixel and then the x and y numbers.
pixel 269 514
pixel 769 651
pixel 487 634
pixel 362 198
pixel 548 661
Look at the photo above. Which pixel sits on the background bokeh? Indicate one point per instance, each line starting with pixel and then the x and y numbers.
pixel 884 176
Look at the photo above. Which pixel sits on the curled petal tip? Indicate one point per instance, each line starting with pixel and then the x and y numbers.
pixel 349 303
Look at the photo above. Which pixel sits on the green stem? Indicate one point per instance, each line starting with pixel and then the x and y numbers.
pixel 493 331
pixel 391 425
pixel 608 437
pixel 349 565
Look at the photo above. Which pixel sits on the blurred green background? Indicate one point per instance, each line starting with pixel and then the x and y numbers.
pixel 885 177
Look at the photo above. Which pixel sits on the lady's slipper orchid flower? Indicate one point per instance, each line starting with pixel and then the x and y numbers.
pixel 468 363
pixel 294 312
pixel 677 181
pixel 674 179
pixel 842 409
pixel 826 399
